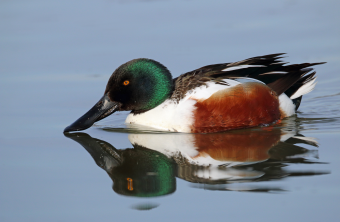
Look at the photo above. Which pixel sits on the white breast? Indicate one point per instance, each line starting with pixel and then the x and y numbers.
pixel 286 105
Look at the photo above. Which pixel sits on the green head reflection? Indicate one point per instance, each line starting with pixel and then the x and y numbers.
pixel 144 173
pixel 139 172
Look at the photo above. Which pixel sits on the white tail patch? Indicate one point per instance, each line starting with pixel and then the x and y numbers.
pixel 286 105
pixel 241 67
pixel 306 88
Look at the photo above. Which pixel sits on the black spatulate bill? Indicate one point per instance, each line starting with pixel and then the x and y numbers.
pixel 103 108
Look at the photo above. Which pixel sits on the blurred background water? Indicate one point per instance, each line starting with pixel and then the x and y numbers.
pixel 55 60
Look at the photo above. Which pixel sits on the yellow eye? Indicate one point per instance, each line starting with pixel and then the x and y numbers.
pixel 130 184
pixel 126 82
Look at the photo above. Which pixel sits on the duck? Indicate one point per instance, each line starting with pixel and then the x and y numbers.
pixel 254 92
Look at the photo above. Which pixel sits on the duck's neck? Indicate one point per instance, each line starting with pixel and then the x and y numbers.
pixel 160 97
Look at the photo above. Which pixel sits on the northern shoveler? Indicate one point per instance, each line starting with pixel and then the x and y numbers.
pixel 253 92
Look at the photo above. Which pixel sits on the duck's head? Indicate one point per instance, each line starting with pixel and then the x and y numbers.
pixel 138 85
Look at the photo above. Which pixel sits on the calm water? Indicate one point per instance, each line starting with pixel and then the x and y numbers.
pixel 55 60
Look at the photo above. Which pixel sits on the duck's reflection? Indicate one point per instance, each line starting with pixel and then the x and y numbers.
pixel 216 160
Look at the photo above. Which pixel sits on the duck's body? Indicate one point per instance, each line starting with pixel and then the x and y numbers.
pixel 216 107
pixel 210 99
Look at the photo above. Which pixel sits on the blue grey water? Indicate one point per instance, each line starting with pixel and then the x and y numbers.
pixel 55 60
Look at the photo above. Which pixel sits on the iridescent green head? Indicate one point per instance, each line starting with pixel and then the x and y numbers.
pixel 140 85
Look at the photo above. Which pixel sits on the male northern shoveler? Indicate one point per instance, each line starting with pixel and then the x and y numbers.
pixel 253 92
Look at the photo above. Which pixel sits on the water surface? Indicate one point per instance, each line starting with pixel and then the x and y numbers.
pixel 56 58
